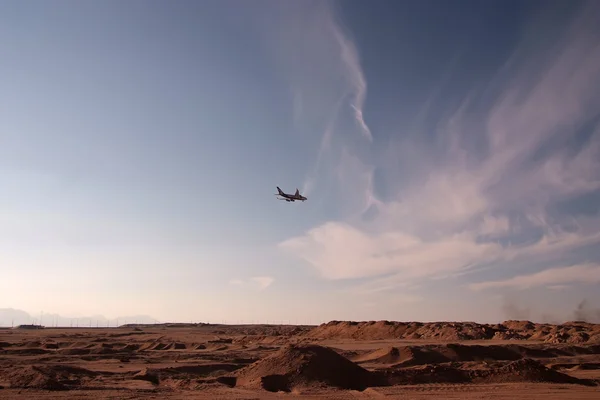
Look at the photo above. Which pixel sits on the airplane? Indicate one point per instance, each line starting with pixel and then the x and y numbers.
pixel 290 197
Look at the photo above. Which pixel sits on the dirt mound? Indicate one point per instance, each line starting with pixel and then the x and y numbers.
pixel 185 372
pixel 374 330
pixel 460 352
pixel 507 335
pixel 58 377
pixel 33 378
pixel 525 370
pixel 574 334
pixel 263 330
pixel 424 374
pixel 304 366
pixel 360 330
pixel 570 332
pixel 407 356
pixel 455 331
pixel 435 354
pixel 519 326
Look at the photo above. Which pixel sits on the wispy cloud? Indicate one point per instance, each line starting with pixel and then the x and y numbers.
pixel 327 84
pixel 490 185
pixel 340 251
pixel 552 278
pixel 255 282
pixel 354 73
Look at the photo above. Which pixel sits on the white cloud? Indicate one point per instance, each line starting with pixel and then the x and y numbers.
pixel 554 278
pixel 255 282
pixel 465 205
pixel 340 251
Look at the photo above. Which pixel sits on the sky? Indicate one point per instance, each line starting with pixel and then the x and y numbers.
pixel 450 153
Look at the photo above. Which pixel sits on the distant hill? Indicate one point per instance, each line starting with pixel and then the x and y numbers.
pixel 10 317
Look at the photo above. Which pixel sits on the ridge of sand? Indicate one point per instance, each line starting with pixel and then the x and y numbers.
pixel 570 332
pixel 405 356
pixel 525 370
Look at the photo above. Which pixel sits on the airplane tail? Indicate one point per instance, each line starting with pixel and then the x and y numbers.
pixel 279 190
pixel 297 192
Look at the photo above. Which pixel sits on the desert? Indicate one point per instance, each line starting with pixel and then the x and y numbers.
pixel 338 359
pixel 321 199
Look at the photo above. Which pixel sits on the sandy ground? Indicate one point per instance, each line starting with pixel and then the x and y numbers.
pixel 334 361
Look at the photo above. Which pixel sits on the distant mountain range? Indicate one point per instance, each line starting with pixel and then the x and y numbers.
pixel 10 317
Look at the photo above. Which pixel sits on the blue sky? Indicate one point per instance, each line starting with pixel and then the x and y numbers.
pixel 450 153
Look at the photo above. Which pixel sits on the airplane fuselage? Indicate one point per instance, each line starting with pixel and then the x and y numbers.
pixel 290 197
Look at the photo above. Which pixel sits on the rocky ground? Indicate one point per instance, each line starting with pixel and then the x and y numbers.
pixel 342 360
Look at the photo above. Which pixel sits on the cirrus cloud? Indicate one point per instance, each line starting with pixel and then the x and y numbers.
pixel 553 278
pixel 488 187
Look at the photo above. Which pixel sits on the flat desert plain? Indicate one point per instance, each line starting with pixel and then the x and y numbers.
pixel 337 360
